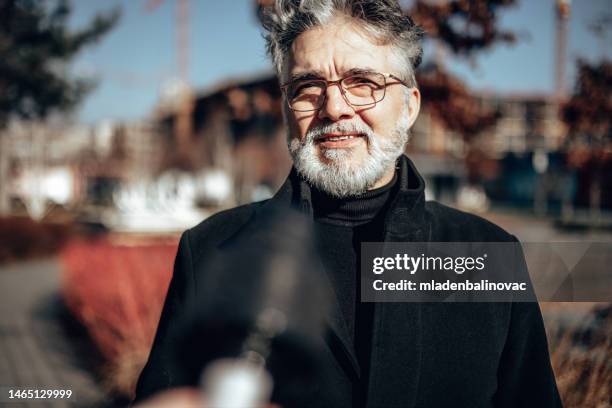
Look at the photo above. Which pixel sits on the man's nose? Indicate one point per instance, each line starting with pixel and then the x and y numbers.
pixel 335 106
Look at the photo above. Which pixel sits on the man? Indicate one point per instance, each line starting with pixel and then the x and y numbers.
pixel 349 100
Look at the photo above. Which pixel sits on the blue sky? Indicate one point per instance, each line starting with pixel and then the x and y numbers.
pixel 138 56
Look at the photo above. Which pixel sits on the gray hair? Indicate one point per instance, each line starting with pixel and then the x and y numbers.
pixel 383 20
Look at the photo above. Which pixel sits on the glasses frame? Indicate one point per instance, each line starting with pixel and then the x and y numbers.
pixel 338 82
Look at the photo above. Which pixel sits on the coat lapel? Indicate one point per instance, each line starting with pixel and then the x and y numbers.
pixel 397 327
pixel 396 355
pixel 296 193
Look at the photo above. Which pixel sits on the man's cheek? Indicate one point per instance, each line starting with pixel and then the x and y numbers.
pixel 293 121
pixel 299 127
pixel 368 120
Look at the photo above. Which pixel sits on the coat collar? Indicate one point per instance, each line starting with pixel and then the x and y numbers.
pixel 408 204
pixel 404 222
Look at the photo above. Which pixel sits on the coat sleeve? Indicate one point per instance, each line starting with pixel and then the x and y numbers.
pixel 156 374
pixel 525 376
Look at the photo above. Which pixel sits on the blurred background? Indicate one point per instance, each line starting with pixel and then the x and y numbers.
pixel 123 123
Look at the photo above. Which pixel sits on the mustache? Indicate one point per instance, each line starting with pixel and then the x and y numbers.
pixel 349 127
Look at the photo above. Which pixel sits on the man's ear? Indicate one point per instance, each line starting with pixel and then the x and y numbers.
pixel 414 105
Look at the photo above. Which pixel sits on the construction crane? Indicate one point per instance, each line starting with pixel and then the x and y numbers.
pixel 183 124
pixel 562 9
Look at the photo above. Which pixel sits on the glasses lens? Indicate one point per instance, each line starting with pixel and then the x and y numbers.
pixel 364 89
pixel 306 95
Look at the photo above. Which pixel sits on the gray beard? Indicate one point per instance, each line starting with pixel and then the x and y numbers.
pixel 339 177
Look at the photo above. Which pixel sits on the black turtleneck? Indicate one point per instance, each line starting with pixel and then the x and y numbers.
pixel 351 211
pixel 341 226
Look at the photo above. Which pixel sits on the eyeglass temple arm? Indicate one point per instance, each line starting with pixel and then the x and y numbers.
pixel 401 81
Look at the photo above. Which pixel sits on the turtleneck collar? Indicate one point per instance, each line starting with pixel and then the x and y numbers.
pixel 351 211
pixel 404 220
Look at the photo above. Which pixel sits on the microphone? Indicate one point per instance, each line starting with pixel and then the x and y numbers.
pixel 257 329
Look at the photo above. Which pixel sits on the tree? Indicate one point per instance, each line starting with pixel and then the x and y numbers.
pixel 588 116
pixel 451 102
pixel 588 112
pixel 36 47
pixel 465 27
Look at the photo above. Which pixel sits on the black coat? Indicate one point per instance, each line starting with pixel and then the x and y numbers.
pixel 423 355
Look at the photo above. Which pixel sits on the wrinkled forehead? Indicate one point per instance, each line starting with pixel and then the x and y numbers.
pixel 331 50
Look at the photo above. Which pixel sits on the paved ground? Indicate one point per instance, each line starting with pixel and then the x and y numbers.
pixel 529 228
pixel 38 349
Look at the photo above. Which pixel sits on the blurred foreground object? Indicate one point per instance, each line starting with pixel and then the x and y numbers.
pixel 259 318
pixel 176 398
pixel 180 398
pixel 265 304
pixel 236 382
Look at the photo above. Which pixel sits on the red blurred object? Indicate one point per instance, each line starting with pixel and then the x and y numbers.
pixel 116 289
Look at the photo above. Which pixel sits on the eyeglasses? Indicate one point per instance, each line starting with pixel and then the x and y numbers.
pixel 362 89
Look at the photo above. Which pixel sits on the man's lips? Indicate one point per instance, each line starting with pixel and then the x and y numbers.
pixel 338 140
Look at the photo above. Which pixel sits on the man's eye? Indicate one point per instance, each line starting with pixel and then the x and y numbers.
pixel 361 81
pixel 306 87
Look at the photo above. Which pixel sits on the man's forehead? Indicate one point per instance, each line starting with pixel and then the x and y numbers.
pixel 335 49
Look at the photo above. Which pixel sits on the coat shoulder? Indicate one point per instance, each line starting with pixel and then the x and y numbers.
pixel 455 225
pixel 222 225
